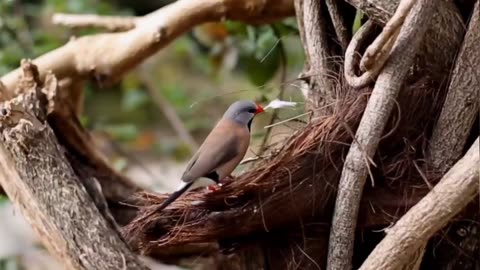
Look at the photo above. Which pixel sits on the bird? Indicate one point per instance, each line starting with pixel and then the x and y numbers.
pixel 221 151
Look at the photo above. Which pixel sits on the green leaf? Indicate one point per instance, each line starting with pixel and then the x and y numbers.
pixel 119 164
pixel 125 132
pixel 358 21
pixel 133 99
pixel 236 28
pixel 262 64
pixel 3 199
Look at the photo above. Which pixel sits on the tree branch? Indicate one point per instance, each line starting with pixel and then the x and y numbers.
pixel 441 40
pixel 94 57
pixel 458 187
pixel 341 30
pixel 37 178
pixel 111 23
pixel 356 166
pixel 317 48
pixel 389 32
pixel 461 104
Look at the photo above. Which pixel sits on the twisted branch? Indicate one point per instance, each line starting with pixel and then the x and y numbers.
pixel 356 166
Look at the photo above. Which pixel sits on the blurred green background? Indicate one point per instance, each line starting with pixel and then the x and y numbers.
pixel 209 68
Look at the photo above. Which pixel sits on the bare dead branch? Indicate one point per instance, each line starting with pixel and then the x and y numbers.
pixel 37 178
pixel 372 124
pixel 458 187
pixel 92 57
pixel 461 105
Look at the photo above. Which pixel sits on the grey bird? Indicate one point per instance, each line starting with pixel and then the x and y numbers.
pixel 222 150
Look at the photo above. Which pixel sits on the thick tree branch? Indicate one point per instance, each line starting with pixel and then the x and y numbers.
pixel 317 47
pixel 111 23
pixel 441 40
pixel 461 104
pixel 372 124
pixel 458 187
pixel 390 31
pixel 94 57
pixel 37 178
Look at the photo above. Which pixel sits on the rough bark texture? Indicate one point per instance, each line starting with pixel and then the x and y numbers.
pixel 461 105
pixel 456 189
pixel 441 39
pixel 372 124
pixel 37 178
pixel 313 19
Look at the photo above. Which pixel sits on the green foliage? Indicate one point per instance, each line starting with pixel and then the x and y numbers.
pixel 122 132
pixel 3 199
pixel 182 73
pixel 10 263
pixel 358 21
pixel 260 53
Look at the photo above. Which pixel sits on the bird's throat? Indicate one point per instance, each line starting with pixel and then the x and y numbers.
pixel 249 125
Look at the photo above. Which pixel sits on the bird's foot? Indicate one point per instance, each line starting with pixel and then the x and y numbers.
pixel 213 188
pixel 226 179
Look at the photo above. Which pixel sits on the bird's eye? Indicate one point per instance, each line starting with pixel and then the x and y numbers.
pixel 252 110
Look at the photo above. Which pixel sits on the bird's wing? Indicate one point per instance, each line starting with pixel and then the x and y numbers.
pixel 218 148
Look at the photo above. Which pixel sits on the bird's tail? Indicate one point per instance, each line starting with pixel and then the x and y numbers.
pixel 181 189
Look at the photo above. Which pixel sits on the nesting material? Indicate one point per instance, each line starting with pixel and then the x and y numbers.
pixel 298 180
pixel 278 104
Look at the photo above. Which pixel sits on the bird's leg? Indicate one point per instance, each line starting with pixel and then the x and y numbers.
pixel 218 184
pixel 213 188
pixel 226 179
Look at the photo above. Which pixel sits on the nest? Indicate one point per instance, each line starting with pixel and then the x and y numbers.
pixel 296 185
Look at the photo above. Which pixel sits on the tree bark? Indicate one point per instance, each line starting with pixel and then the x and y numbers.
pixel 461 104
pixel 441 40
pixel 37 178
pixel 312 16
pixel 456 189
pixel 357 163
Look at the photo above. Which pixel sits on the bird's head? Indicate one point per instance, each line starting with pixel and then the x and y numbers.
pixel 243 112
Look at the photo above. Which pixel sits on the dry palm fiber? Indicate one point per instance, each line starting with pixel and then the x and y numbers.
pixel 297 182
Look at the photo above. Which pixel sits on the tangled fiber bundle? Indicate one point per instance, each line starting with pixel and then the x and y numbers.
pixel 295 185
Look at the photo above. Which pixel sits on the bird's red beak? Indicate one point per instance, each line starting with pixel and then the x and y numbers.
pixel 259 109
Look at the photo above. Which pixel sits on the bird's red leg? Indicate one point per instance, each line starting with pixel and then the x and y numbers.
pixel 213 188
pixel 217 186
pixel 226 179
